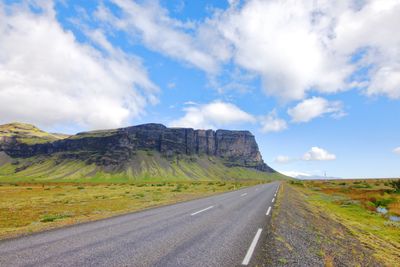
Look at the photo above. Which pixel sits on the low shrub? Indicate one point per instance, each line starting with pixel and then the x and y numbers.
pixel 178 188
pixel 53 217
pixel 298 182
pixel 395 184
pixel 383 202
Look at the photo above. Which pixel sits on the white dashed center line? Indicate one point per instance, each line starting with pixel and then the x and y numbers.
pixel 197 212
pixel 242 195
pixel 268 211
pixel 249 253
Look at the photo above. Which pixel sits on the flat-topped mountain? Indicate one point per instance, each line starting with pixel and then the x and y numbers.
pixel 135 150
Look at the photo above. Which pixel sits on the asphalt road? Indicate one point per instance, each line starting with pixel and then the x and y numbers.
pixel 221 230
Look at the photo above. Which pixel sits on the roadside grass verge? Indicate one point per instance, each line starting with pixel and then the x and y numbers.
pixel 305 234
pixel 354 204
pixel 32 207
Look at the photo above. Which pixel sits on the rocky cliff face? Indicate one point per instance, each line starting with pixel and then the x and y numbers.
pixel 113 147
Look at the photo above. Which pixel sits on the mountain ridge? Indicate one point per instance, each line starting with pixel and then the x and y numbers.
pixel 121 150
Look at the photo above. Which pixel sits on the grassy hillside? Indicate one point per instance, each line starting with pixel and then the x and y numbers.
pixel 145 166
pixel 28 133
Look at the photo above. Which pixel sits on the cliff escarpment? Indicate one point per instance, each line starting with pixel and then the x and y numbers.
pixel 119 146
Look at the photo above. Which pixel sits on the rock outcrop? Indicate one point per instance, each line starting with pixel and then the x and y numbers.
pixel 114 147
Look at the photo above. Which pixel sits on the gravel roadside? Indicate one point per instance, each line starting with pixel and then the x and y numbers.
pixel 301 235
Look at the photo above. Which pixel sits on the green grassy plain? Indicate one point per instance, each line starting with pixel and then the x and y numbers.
pixel 353 203
pixel 27 208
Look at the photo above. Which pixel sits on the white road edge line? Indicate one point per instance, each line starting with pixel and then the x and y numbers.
pixel 268 211
pixel 242 195
pixel 250 251
pixel 197 212
pixel 273 200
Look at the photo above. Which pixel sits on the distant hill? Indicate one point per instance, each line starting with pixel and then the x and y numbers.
pixel 305 176
pixel 28 133
pixel 143 152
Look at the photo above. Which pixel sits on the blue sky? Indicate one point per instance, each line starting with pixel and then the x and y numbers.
pixel 318 84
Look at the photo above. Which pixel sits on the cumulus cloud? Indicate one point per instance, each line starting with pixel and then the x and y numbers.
pixel 212 116
pixel 294 46
pixel 315 107
pixel 271 123
pixel 318 154
pixel 397 150
pixel 286 45
pixel 314 154
pixel 282 159
pixel 48 77
pixel 299 46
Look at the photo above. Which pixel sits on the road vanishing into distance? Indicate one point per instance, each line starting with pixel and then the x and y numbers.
pixel 222 230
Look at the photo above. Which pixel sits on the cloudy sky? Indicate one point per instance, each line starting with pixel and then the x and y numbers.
pixel 317 82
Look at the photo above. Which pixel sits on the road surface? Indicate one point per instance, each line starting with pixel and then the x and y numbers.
pixel 222 230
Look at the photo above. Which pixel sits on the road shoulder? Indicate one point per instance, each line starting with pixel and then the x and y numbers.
pixel 302 235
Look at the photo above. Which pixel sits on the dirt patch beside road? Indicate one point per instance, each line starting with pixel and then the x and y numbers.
pixel 302 235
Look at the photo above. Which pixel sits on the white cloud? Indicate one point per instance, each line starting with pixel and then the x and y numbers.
pixel 171 85
pixel 314 154
pixel 299 46
pixel 48 77
pixel 282 159
pixel 287 45
pixel 152 25
pixel 386 80
pixel 397 150
pixel 294 46
pixel 318 154
pixel 271 123
pixel 190 103
pixel 315 107
pixel 373 27
pixel 212 116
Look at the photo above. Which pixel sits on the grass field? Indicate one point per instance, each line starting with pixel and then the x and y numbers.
pixel 354 203
pixel 27 207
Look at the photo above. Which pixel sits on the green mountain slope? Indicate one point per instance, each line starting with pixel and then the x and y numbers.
pixel 28 133
pixel 146 166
